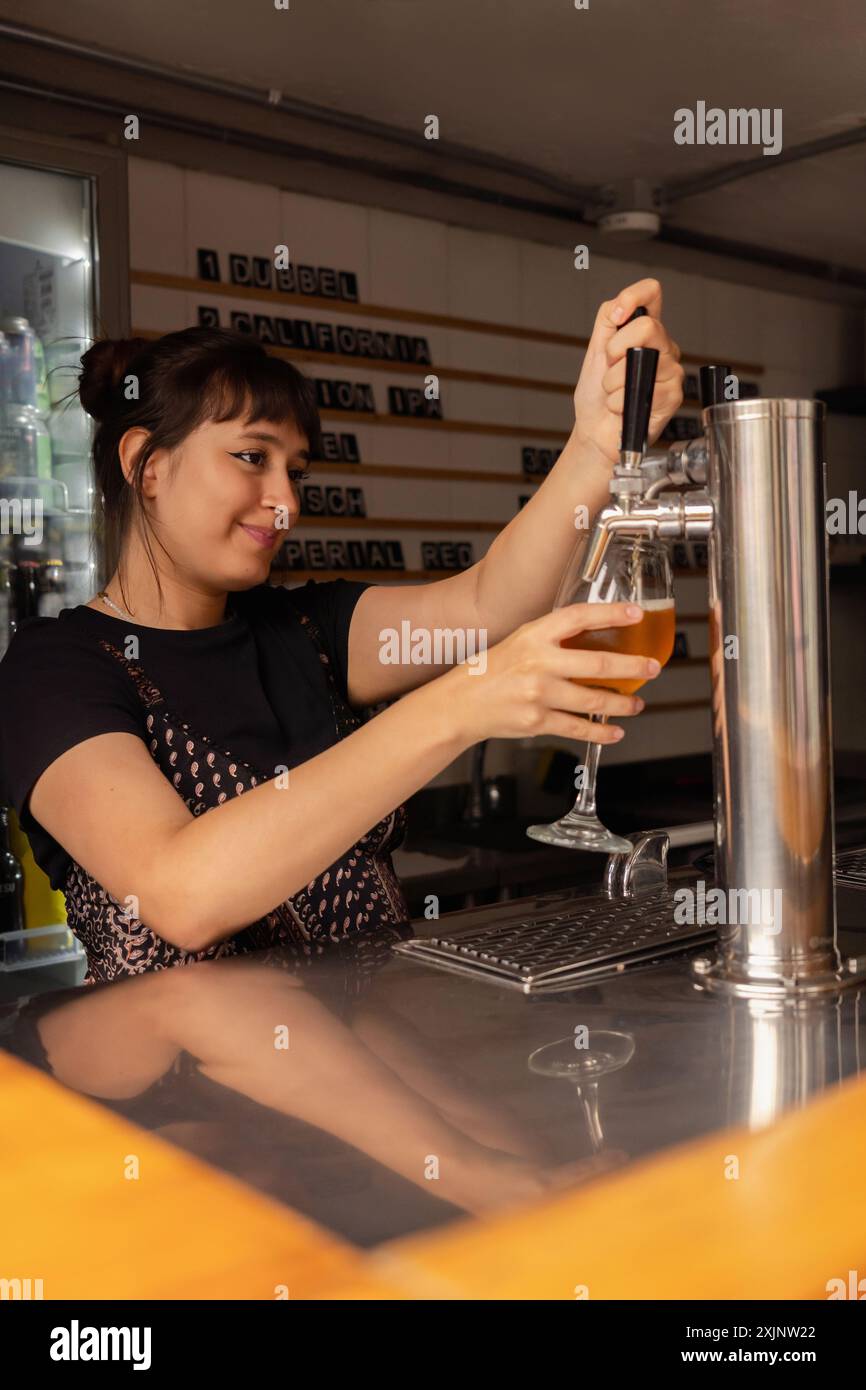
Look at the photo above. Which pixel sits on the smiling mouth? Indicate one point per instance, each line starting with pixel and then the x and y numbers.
pixel 262 535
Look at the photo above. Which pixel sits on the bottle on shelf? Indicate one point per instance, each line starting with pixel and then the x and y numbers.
pixel 11 881
pixel 44 906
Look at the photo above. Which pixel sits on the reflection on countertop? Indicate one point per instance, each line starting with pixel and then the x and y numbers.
pixel 380 1097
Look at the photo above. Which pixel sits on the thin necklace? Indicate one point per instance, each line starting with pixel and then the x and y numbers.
pixel 124 613
pixel 121 612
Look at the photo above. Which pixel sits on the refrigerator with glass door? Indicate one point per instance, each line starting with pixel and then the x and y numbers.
pixel 63 282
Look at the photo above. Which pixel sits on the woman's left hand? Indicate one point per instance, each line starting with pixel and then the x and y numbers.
pixel 600 391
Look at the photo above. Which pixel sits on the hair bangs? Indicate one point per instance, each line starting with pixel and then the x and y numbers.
pixel 258 387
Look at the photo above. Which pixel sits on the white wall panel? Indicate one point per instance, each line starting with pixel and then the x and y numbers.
pixel 408 262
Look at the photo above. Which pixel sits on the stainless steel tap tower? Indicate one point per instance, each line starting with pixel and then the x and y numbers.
pixel 761 463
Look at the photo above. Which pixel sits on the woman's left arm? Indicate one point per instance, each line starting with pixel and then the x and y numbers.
pixel 518 577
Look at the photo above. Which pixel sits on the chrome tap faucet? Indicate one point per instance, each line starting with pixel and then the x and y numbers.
pixel 760 504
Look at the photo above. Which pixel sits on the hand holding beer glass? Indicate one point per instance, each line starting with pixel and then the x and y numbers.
pixel 634 570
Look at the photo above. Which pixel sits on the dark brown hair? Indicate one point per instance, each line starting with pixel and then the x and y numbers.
pixel 170 386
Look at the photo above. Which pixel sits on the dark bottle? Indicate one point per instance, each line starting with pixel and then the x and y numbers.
pixel 24 583
pixel 11 881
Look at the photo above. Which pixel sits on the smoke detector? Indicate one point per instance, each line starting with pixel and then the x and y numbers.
pixel 634 225
pixel 629 211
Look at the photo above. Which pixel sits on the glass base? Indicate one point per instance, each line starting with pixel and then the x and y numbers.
pixel 608 1052
pixel 575 831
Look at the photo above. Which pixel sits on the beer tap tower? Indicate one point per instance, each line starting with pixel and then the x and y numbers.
pixel 760 504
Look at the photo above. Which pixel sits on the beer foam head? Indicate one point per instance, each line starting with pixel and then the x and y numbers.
pixel 653 605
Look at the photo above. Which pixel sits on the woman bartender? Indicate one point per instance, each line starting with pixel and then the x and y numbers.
pixel 190 686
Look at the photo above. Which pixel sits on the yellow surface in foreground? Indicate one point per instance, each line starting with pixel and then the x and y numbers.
pixel 180 1230
pixel 674 1226
pixel 670 1227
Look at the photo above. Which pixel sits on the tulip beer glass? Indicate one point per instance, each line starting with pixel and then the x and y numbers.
pixel 634 570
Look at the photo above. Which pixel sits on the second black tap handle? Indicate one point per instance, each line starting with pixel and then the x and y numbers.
pixel 713 383
pixel 640 379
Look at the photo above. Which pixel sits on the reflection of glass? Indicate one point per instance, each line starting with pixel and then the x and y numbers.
pixel 635 571
pixel 583 1066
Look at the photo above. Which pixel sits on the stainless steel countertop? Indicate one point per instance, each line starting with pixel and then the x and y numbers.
pixel 405 1098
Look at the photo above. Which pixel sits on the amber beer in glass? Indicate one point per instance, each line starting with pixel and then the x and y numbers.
pixel 633 570
pixel 653 636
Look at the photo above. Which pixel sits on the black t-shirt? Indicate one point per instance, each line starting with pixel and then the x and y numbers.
pixel 255 684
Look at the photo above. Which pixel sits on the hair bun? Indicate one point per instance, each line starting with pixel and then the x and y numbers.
pixel 103 367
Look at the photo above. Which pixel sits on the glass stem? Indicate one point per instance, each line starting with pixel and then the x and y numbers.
pixel 585 803
pixel 588 1095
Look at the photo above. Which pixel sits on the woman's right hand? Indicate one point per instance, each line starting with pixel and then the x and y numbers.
pixel 530 684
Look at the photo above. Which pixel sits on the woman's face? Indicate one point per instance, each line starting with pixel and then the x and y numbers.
pixel 223 503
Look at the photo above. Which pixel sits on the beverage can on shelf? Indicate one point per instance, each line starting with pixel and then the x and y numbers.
pixel 28 382
pixel 25 444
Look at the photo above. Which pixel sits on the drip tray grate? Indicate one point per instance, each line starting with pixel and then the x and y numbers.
pixel 586 942
pixel 850 867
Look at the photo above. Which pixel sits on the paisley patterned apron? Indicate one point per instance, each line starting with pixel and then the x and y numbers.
pixel 358 894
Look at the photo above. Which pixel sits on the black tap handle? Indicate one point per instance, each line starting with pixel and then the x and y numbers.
pixel 639 313
pixel 713 380
pixel 640 379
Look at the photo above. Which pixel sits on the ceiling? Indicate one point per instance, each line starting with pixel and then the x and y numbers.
pixel 584 96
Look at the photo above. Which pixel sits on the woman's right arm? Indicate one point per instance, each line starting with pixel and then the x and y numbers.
pixel 199 879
